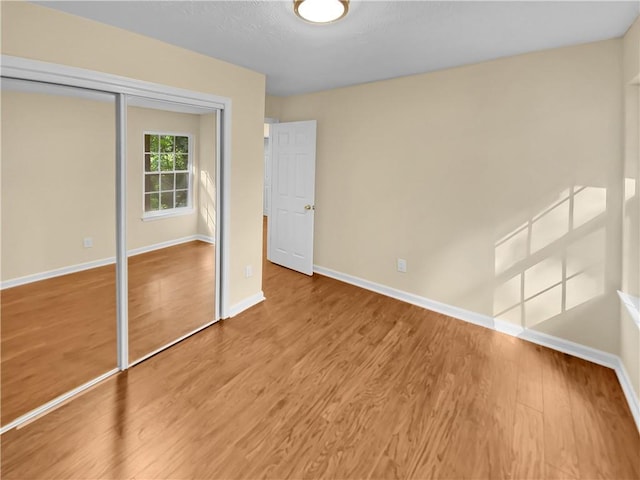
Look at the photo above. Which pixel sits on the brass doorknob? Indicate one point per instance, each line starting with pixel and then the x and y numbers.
pixel 309 207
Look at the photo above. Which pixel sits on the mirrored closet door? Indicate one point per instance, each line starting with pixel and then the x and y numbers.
pixel 171 222
pixel 58 302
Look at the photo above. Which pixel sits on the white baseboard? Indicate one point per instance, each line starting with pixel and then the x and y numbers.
pixel 246 304
pixel 555 343
pixel 58 272
pixel 168 243
pixel 628 390
pixel 574 349
pixel 449 310
pixel 206 239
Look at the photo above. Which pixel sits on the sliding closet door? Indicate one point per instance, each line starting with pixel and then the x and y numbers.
pixel 58 304
pixel 171 222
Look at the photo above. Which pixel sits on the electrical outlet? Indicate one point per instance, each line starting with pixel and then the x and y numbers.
pixel 401 265
pixel 87 242
pixel 248 271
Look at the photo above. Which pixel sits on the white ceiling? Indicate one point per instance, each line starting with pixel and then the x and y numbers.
pixel 377 40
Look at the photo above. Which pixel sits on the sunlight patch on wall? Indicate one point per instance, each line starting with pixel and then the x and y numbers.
pixel 550 226
pixel 555 261
pixel 542 276
pixel 629 188
pixel 507 295
pixel 588 203
pixel 511 249
pixel 543 306
pixel 586 252
pixel 584 286
pixel 207 203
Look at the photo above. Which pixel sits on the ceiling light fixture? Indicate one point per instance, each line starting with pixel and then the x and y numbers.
pixel 321 11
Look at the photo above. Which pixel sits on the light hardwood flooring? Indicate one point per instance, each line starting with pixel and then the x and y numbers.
pixel 60 333
pixel 326 380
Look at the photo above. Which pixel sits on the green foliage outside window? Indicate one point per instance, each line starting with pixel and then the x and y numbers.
pixel 166 166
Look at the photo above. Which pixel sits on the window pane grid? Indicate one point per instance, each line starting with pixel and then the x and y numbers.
pixel 167 180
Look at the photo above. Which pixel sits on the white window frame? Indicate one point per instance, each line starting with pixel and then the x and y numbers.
pixel 169 212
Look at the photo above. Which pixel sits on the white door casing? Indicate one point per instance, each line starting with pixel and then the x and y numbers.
pixel 267 177
pixel 266 200
pixel 292 208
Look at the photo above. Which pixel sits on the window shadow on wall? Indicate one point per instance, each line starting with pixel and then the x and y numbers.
pixel 555 261
pixel 207 210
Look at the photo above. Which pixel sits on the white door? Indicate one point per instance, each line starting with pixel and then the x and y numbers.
pixel 292 209
pixel 267 178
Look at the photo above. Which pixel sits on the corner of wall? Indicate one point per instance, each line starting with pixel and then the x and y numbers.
pixel 630 275
pixel 273 106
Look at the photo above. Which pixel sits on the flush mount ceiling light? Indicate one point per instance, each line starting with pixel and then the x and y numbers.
pixel 321 11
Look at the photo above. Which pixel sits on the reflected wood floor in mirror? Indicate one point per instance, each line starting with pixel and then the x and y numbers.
pixel 60 333
pixel 326 380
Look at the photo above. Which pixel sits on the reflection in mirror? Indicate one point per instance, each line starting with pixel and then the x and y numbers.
pixel 58 242
pixel 171 222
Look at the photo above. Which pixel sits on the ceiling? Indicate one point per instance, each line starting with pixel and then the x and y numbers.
pixel 376 40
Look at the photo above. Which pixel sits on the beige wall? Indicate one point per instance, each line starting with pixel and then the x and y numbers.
pixel 58 177
pixel 142 233
pixel 58 159
pixel 40 33
pixel 440 168
pixel 629 330
pixel 273 107
pixel 206 195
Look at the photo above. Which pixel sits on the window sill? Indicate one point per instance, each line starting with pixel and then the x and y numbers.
pixel 149 217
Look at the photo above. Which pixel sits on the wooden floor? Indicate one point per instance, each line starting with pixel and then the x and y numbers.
pixel 326 380
pixel 60 333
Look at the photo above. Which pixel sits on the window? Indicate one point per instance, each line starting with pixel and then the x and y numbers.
pixel 167 179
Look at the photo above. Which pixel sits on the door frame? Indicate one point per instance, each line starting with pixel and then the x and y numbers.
pixel 312 212
pixel 269 121
pixel 35 70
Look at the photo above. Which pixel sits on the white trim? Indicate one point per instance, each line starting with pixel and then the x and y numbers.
pixel 161 245
pixel 220 301
pixel 628 390
pixel 451 311
pixel 173 342
pixel 27 86
pixel 150 103
pixel 246 304
pixel 170 212
pixel 509 328
pixel 599 357
pixel 41 410
pixel 175 211
pixel 205 238
pixel 223 197
pixel 58 272
pixel 574 349
pixel 27 69
pixel 122 265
